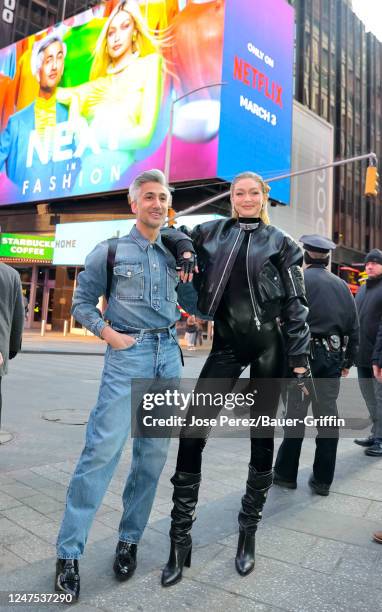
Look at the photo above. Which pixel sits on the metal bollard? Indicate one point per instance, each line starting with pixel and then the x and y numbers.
pixel 66 323
pixel 43 325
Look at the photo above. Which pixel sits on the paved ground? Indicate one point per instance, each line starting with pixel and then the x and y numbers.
pixel 313 554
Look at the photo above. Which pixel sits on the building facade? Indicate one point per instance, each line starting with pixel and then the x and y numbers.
pixel 338 76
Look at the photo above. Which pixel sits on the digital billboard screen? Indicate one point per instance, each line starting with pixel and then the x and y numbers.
pixel 85 105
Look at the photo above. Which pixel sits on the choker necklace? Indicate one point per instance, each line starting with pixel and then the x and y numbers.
pixel 249 223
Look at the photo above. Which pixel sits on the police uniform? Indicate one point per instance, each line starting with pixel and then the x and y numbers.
pixel 334 327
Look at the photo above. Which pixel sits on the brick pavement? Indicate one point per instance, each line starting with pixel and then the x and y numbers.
pixel 313 553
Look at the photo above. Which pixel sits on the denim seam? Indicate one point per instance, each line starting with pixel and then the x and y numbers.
pixel 135 476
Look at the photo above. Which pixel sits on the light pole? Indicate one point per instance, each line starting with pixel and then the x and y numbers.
pixel 372 164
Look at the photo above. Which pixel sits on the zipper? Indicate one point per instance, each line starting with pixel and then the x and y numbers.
pixel 257 320
pixel 224 271
pixel 292 281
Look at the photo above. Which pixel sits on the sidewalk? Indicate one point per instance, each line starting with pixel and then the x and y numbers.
pixel 312 554
pixel 56 342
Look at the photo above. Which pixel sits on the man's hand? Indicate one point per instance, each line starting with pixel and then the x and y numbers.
pixel 116 340
pixel 377 371
pixel 187 264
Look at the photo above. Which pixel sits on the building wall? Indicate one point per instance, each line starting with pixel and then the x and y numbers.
pixel 311 208
pixel 338 76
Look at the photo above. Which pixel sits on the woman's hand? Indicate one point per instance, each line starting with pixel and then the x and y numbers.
pixel 187 264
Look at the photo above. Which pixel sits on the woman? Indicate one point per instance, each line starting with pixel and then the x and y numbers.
pixel 122 100
pixel 249 277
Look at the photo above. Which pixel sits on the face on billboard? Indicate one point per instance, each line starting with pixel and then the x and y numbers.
pixel 118 71
pixel 120 35
pixel 52 67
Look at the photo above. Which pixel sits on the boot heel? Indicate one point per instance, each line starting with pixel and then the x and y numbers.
pixel 187 562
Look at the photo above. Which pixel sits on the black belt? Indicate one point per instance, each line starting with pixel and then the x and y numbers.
pixel 154 330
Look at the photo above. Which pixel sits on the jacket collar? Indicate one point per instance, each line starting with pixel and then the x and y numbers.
pixel 142 242
pixel 372 282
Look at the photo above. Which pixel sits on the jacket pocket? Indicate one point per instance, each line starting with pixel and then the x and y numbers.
pixel 271 288
pixel 171 284
pixel 130 281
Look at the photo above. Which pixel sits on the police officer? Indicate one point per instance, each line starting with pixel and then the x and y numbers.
pixel 334 327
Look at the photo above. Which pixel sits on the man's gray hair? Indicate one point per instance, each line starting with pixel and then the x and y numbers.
pixel 148 176
pixel 39 48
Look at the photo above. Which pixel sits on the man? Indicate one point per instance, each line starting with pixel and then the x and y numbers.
pixel 332 329
pixel 377 371
pixel 27 144
pixel 369 305
pixel 11 317
pixel 141 339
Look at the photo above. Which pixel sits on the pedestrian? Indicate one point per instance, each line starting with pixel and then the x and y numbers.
pixel 11 318
pixel 191 331
pixel 139 328
pixel 377 371
pixel 369 304
pixel 199 332
pixel 249 276
pixel 334 344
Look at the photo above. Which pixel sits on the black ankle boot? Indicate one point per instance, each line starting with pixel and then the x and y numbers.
pixel 125 561
pixel 258 485
pixel 68 578
pixel 185 498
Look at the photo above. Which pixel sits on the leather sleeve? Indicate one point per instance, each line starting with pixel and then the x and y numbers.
pixel 294 310
pixel 175 241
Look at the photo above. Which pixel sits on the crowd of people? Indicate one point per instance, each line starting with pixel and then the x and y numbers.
pixel 268 314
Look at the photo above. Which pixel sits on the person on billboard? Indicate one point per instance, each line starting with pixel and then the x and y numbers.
pixel 249 278
pixel 121 102
pixel 30 153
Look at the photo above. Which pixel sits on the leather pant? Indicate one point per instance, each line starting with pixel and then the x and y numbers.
pixel 263 351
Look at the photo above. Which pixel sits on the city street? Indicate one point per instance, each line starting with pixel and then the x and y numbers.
pixel 313 553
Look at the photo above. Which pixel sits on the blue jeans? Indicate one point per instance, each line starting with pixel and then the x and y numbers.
pixel 153 356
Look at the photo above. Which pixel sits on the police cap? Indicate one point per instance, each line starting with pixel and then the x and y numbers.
pixel 317 243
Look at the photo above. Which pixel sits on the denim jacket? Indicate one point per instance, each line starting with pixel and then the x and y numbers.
pixel 143 291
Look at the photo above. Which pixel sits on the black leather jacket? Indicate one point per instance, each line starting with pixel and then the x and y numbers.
pixel 274 273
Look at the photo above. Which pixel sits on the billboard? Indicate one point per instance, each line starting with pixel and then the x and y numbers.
pixel 74 241
pixel 86 104
pixel 256 103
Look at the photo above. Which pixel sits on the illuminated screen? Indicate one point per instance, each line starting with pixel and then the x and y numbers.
pixel 256 104
pixel 85 105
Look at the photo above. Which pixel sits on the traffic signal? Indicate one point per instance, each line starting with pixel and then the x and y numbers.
pixel 371 185
pixel 171 217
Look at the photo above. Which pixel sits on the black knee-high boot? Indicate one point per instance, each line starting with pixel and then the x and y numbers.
pixel 252 502
pixel 185 498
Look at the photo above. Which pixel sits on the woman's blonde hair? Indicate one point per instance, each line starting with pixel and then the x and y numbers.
pixel 264 188
pixel 144 43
